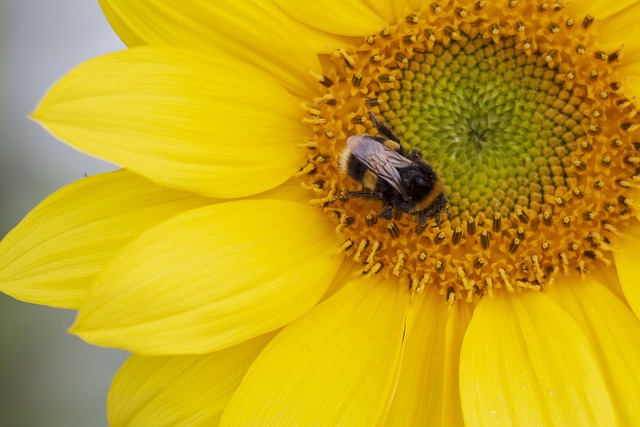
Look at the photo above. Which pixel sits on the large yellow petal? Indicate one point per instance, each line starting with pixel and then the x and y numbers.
pixel 345 18
pixel 525 361
pixel 619 26
pixel 629 71
pixel 615 28
pixel 628 268
pixel 414 5
pixel 211 278
pixel 256 31
pixel 57 250
pixel 601 10
pixel 619 32
pixel 210 125
pixel 176 391
pixel 608 277
pixel 336 366
pixel 428 393
pixel 390 10
pixel 613 332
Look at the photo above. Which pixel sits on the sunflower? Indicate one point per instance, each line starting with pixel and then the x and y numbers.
pixel 258 282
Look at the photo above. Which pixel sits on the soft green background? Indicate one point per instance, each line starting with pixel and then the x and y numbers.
pixel 47 377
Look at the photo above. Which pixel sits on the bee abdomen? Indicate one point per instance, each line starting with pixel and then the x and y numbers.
pixel 357 170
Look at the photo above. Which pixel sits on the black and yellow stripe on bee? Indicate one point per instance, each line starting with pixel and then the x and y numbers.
pixel 430 199
pixel 357 170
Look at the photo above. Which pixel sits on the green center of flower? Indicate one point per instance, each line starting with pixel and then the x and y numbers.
pixel 524 122
pixel 492 118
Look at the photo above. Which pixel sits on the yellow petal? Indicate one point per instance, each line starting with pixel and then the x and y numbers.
pixel 414 5
pixel 629 71
pixel 258 32
pixel 342 277
pixel 428 393
pixel 614 333
pixel 57 250
pixel 211 278
pixel 619 32
pixel 179 390
pixel 618 26
pixel 525 361
pixel 336 366
pixel 626 259
pixel 601 10
pixel 608 277
pixel 345 17
pixel 210 125
pixel 390 10
pixel 290 190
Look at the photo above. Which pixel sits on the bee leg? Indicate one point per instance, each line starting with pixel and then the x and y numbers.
pixel 436 210
pixel 382 127
pixel 386 213
pixel 415 155
pixel 371 195
pixel 422 222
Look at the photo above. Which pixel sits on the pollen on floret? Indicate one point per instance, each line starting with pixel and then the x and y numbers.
pixel 523 117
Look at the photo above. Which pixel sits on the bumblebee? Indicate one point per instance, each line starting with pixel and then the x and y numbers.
pixel 404 183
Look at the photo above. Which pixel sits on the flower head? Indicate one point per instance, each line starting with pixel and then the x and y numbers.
pixel 401 213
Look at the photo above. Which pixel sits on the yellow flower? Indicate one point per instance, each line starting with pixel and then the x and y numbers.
pixel 256 286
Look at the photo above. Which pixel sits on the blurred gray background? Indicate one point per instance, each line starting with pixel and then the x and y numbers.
pixel 47 377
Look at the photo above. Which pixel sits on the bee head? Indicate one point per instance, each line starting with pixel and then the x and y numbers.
pixel 416 183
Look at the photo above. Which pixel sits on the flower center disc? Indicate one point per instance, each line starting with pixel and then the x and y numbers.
pixel 522 118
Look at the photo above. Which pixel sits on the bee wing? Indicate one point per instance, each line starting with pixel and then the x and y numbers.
pixel 382 160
